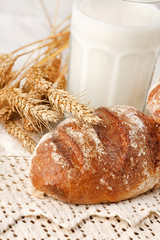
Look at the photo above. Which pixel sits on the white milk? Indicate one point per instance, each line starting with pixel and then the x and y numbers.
pixel 114 46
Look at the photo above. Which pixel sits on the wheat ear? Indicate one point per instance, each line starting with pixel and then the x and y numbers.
pixel 60 83
pixel 27 106
pixel 60 98
pixel 42 77
pixel 2 96
pixel 3 57
pixel 53 70
pixel 6 70
pixel 69 104
pixel 21 135
pixel 35 76
pixel 31 126
pixel 5 114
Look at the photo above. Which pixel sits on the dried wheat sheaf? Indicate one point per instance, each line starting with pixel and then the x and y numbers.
pixel 34 96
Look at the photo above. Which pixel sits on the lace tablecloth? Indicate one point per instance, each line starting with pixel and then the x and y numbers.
pixel 21 211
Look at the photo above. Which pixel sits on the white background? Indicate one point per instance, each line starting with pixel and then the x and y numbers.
pixel 24 21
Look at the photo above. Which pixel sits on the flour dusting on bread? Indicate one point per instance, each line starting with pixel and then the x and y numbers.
pixel 107 162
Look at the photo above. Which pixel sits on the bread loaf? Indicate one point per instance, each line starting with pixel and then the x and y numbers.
pixel 153 101
pixel 117 159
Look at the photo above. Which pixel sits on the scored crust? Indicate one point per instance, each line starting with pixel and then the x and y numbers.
pixel 114 160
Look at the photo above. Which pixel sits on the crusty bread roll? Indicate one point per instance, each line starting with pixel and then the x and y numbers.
pixel 117 159
pixel 153 101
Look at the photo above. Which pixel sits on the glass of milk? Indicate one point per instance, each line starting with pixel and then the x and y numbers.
pixel 114 48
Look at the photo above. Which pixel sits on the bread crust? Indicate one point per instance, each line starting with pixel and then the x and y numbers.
pixel 112 161
pixel 153 101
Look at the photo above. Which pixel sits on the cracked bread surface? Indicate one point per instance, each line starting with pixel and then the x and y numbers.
pixel 114 160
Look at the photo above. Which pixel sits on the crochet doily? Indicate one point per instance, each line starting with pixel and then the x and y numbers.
pixel 17 201
pixel 95 228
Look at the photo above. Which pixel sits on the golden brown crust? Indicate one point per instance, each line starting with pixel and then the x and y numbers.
pixel 153 102
pixel 114 160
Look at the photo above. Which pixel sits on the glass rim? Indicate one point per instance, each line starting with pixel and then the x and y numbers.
pixel 142 1
pixel 76 3
pixel 135 1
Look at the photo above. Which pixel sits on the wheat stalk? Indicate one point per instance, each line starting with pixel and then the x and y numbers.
pixel 21 135
pixel 55 15
pixel 46 12
pixel 61 23
pixel 53 44
pixel 61 48
pixel 51 37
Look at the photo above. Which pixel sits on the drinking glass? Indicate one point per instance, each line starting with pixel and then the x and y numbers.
pixel 114 48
